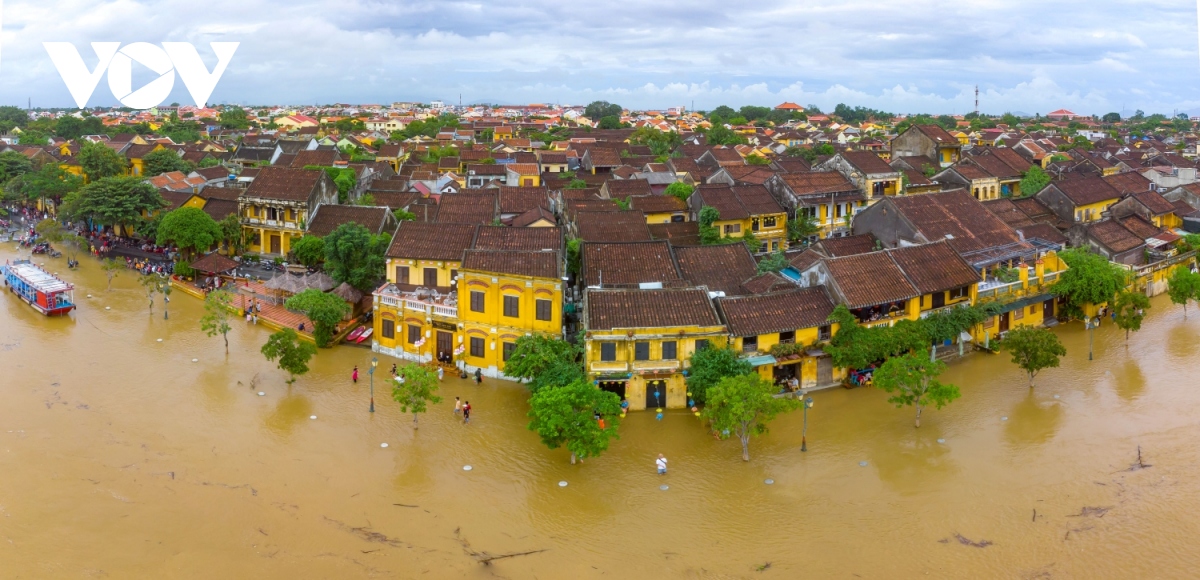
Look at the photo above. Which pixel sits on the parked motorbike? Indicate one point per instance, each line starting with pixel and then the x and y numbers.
pixel 55 253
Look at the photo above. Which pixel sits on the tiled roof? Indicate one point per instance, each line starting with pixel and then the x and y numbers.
pixel 766 282
pixel 431 241
pixel 610 309
pixel 538 264
pixel 723 199
pixel 533 216
pixel 994 166
pixel 400 184
pixel 329 217
pixel 611 226
pixel 1035 209
pixel 589 204
pixel 284 183
pixel 657 203
pixel 319 157
pixel 937 134
pixel 220 209
pixel 1045 232
pixel 722 268
pixel 934 267
pixel 678 233
pixel 802 259
pixel 521 199
pixel 749 174
pixel 1113 236
pixel 523 168
pixel 1130 182
pixel 1182 208
pixel 757 200
pixel 603 157
pixel 393 199
pixel 792 164
pixel 848 245
pixel 870 279
pixel 957 214
pixel 622 188
pixel 1139 226
pixel 623 263
pixel 1087 190
pixel 817 182
pixel 1156 203
pixel 1011 158
pixel 785 311
pixel 867 162
pixel 1008 211
pixel 467 208
pixel 518 239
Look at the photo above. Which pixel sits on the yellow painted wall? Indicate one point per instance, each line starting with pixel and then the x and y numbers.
pixel 416 270
pixel 670 371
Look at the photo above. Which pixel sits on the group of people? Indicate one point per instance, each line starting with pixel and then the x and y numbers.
pixel 252 311
pixel 463 407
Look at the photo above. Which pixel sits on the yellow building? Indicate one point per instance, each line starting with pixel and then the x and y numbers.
pixel 275 208
pixel 1027 301
pixel 1079 200
pixel 660 209
pixel 136 154
pixel 638 342
pixel 744 208
pixel 780 333
pixel 523 174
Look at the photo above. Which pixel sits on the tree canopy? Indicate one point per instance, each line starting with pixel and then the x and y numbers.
pixel 309 250
pixel 324 310
pixel 709 365
pixel 165 160
pixel 1033 349
pixel 679 190
pixel 1130 310
pixel 577 415
pixel 1182 286
pixel 354 256
pixel 912 380
pixel 13 164
pixel 742 406
pixel 114 201
pixel 98 161
pixel 291 353
pixel 1089 279
pixel 1033 181
pixel 233 117
pixel 216 315
pixel 415 387
pixel 543 360
pixel 189 228
pixel 597 110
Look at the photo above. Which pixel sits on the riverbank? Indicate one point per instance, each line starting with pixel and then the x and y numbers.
pixel 123 458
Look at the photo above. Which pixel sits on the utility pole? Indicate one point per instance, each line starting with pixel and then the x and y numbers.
pixel 977 100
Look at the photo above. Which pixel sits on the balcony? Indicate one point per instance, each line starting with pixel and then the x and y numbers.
pixel 656 366
pixel 608 367
pixel 423 300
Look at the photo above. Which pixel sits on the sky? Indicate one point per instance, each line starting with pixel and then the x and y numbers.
pixel 1092 56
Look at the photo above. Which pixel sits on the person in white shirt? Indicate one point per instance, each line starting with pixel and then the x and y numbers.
pixel 661 463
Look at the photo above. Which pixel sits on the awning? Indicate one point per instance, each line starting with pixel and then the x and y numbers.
pixel 758 361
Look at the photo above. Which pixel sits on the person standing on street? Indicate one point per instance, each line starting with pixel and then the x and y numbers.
pixel 457 406
pixel 661 464
pixel 354 375
pixel 466 412
pixel 478 377
pixel 441 373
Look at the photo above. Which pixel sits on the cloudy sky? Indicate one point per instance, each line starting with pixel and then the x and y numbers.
pixel 1091 56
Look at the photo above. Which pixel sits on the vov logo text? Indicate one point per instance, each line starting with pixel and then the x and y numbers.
pixel 117 60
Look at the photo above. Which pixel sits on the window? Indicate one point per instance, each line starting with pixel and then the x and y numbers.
pixel 512 306
pixel 787 337
pixel 749 344
pixel 754 223
pixel 414 333
pixel 608 351
pixel 765 247
pixel 669 350
pixel 1033 310
pixel 775 246
pixel 476 301
pixel 960 292
pixel 388 329
pixel 641 351
pixel 1018 314
pixel 402 274
pixel 825 332
pixel 476 347
pixel 509 347
pixel 453 274
pixel 542 309
pixel 701 343
pixel 431 277
pixel 768 222
pixel 733 229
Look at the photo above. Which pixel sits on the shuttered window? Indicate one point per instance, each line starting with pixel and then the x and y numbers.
pixel 641 351
pixel 512 306
pixel 608 351
pixel 543 309
pixel 476 346
pixel 669 350
pixel 389 328
pixel 476 301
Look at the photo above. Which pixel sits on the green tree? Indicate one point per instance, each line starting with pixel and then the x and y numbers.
pixel 709 234
pixel 233 117
pixel 1130 309
pixel 722 112
pixel 912 380
pixel 99 162
pixel 151 284
pixel 1182 286
pixel 610 122
pixel 209 161
pixel 543 361
pixel 1111 118
pixel 354 256
pixel 773 262
pixel 309 250
pixel 707 366
pixel 74 244
pixel 291 353
pixel 1033 349
pixel 679 190
pixel 577 184
pixel 12 117
pixel 756 159
pixel 414 388
pixel 574 255
pixel 742 405
pixel 567 416
pixel 721 135
pixel 165 160
pixel 13 164
pixel 51 182
pixel 111 268
pixel 802 227
pixel 600 109
pixel 33 137
pixel 50 230
pixel 1034 180
pixel 324 310
pixel 1089 279
pixel 216 315
pixel 231 233
pixel 189 228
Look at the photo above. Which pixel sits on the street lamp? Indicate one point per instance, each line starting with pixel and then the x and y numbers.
pixel 371 371
pixel 808 403
pixel 1090 325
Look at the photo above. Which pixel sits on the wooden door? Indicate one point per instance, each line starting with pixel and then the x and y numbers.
pixel 1048 309
pixel 275 244
pixel 445 343
pixel 656 394
pixel 824 370
pixel 1004 319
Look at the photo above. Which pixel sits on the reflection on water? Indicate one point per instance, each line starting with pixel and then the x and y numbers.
pixel 121 458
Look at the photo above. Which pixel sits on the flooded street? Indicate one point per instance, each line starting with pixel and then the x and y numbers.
pixel 122 458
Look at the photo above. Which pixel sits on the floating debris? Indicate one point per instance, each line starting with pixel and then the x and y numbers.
pixel 195 360
pixel 941 440
pixel 108 308
pixel 1003 418
pixel 967 542
pixel 313 417
pixel 160 340
pixel 1055 396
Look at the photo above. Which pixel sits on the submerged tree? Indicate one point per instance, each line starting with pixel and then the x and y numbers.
pixel 1182 286
pixel 291 353
pixel 912 380
pixel 150 283
pixel 1033 349
pixel 544 361
pixel 708 366
pixel 1129 310
pixel 414 388
pixel 216 315
pixel 324 310
pixel 742 406
pixel 111 267
pixel 578 416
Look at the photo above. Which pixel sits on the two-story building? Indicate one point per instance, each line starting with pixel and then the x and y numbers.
pixel 780 334
pixel 826 197
pixel 744 208
pixel 1079 200
pixel 868 172
pixel 638 341
pixel 276 206
pixel 929 140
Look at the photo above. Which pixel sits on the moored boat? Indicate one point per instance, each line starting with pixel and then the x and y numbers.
pixel 354 334
pixel 365 335
pixel 46 293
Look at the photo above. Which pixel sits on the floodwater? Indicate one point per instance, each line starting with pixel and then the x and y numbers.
pixel 122 458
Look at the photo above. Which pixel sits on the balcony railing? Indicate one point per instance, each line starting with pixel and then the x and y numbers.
pixel 441 306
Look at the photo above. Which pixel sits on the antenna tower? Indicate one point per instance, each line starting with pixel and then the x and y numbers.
pixel 976 99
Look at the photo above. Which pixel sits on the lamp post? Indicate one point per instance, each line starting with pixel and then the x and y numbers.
pixel 371 371
pixel 1090 325
pixel 808 403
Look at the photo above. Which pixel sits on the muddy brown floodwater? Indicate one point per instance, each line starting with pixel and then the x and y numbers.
pixel 122 458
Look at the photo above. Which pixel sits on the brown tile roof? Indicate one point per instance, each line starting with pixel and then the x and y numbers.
pixel 622 188
pixel 611 226
pixel 538 264
pixel 657 203
pixel 678 233
pixel 319 157
pixel 603 157
pixel 220 209
pixel 749 174
pixel 400 184
pixel 817 182
pixel 1087 190
pixel 802 259
pixel 847 245
pixel 917 163
pixel 970 172
pixel 329 217
pixel 934 267
pixel 1035 209
pixel 723 199
pixel 766 282
pixel 792 164
pixel 1182 208
pixel 431 241
pixel 757 200
pixel 1131 182
pixel 867 162
pixel 518 239
pixel 957 214
pixel 1139 226
pixel 1156 203
pixel 722 268
pixel 610 309
pixel 284 183
pixel 785 311
pixel 938 134
pixel 1008 211
pixel 523 168
pixel 589 204
pixel 467 208
pixel 1113 236
pixel 994 166
pixel 394 199
pixel 624 263
pixel 533 216
pixel 521 199
pixel 870 279
pixel 686 165
pixel 1011 158
pixel 1044 231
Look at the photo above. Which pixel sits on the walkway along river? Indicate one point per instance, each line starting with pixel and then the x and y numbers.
pixel 120 457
